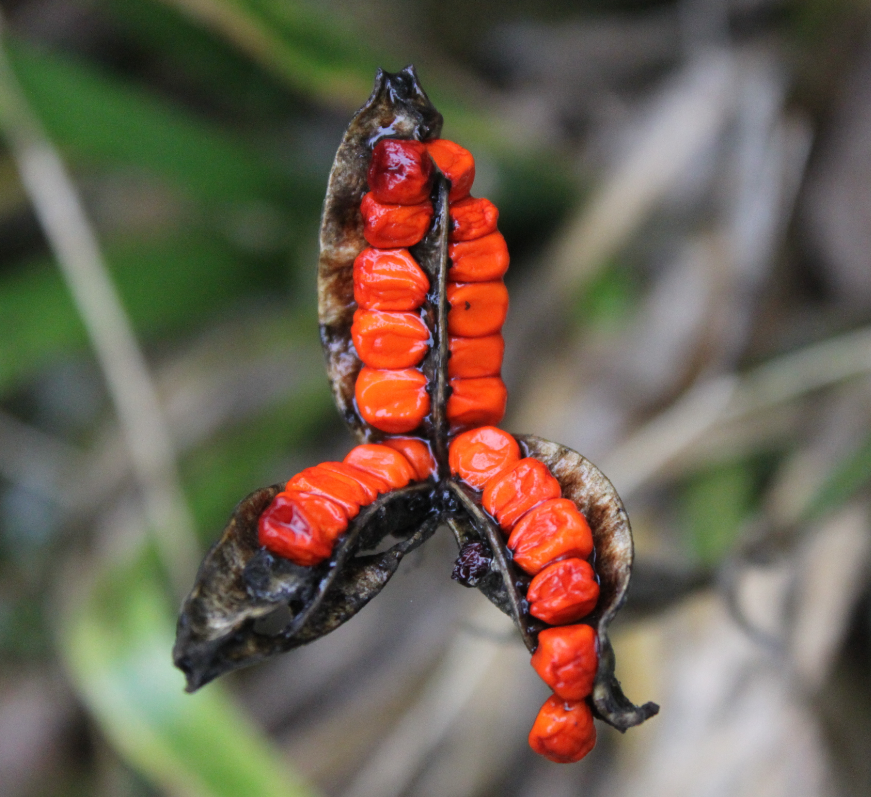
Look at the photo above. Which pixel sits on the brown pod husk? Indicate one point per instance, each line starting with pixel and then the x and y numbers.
pixel 397 108
pixel 504 583
pixel 239 583
pixel 596 498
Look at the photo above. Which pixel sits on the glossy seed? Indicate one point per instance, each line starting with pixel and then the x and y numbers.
pixel 388 279
pixel 301 527
pixel 392 401
pixel 482 260
pixel 371 484
pixel 478 455
pixel 477 309
pixel 563 592
pixel 456 163
pixel 400 172
pixel 566 659
pixel 563 732
pixel 518 489
pixel 387 339
pixel 385 462
pixel 474 357
pixel 346 492
pixel 417 452
pixel 554 530
pixel 472 218
pixel 391 226
pixel 476 402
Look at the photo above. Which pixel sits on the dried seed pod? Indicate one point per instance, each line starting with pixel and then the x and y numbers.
pixel 398 489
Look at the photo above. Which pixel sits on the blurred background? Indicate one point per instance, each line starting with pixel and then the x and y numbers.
pixel 686 192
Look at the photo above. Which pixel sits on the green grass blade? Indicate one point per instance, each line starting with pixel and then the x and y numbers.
pixel 99 117
pixel 169 285
pixel 117 645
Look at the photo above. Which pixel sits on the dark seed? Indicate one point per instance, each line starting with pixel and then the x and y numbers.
pixel 472 564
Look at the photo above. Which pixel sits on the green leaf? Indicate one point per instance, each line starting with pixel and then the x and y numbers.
pixel 241 460
pixel 320 54
pixel 167 285
pixel 211 66
pixel 848 477
pixel 117 645
pixel 716 504
pixel 98 117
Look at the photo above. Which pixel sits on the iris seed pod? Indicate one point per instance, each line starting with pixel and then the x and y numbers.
pixel 401 416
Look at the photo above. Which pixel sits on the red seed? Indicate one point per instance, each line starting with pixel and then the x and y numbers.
pixel 563 592
pixel 370 484
pixel 345 491
pixel 477 309
pixel 476 402
pixel 554 530
pixel 456 163
pixel 301 527
pixel 472 218
pixel 388 279
pixel 478 455
pixel 566 659
pixel 384 462
pixel 517 489
pixel 392 226
pixel 392 401
pixel 400 172
pixel 417 452
pixel 482 260
pixel 563 732
pixel 389 339
pixel 473 357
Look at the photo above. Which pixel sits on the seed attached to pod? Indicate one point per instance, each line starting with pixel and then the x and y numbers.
pixel 517 490
pixel 400 172
pixel 476 402
pixel 566 659
pixel 349 493
pixel 301 527
pixel 478 455
pixel 477 309
pixel 417 453
pixel 392 401
pixel 472 218
pixel 474 357
pixel 456 163
pixel 373 485
pixel 385 339
pixel 564 592
pixel 384 462
pixel 553 530
pixel 482 260
pixel 563 731
pixel 388 279
pixel 390 226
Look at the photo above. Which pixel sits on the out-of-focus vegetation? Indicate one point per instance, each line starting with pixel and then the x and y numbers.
pixel 684 187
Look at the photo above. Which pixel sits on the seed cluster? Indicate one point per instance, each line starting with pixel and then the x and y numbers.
pixel 551 541
pixel 547 535
pixel 305 519
pixel 389 332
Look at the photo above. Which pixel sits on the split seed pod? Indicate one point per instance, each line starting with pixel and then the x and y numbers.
pixel 240 583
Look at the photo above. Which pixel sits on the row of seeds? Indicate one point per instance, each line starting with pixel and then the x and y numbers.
pixel 389 333
pixel 315 507
pixel 551 541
